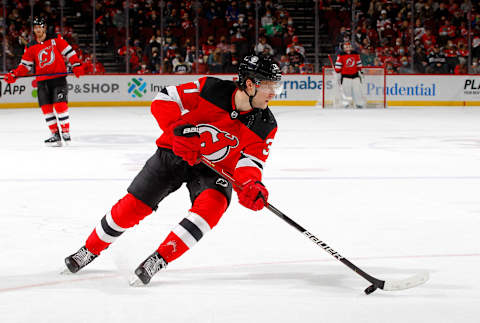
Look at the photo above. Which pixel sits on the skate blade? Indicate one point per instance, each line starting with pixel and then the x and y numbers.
pixel 134 281
pixel 66 271
pixel 56 144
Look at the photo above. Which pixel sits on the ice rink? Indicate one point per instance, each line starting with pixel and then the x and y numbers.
pixel 396 191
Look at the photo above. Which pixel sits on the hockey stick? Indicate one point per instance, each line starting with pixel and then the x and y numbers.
pixel 388 285
pixel 35 75
pixel 340 86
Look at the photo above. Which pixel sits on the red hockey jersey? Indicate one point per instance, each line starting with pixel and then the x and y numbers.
pixel 348 64
pixel 47 57
pixel 238 142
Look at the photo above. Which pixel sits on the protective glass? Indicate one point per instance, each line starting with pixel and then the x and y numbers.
pixel 270 87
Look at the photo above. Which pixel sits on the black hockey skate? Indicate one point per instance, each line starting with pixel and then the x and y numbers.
pixel 149 267
pixel 54 140
pixel 66 137
pixel 79 259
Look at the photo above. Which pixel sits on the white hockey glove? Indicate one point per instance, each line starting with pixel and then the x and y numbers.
pixel 338 78
pixel 360 75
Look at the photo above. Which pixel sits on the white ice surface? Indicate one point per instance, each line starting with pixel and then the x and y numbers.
pixel 396 191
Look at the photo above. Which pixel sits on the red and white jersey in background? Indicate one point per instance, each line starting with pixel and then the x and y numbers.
pixel 47 57
pixel 348 64
pixel 238 142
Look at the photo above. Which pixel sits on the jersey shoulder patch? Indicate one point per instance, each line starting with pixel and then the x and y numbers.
pixel 49 36
pixel 31 43
pixel 218 92
pixel 260 122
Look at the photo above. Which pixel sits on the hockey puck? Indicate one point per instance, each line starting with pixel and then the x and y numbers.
pixel 370 289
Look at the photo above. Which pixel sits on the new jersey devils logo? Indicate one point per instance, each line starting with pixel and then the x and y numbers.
pixel 350 62
pixel 215 144
pixel 46 57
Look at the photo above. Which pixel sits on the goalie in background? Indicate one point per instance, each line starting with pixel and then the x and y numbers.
pixel 349 65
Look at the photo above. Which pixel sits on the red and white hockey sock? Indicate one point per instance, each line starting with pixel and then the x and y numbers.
pixel 63 116
pixel 126 213
pixel 205 213
pixel 50 117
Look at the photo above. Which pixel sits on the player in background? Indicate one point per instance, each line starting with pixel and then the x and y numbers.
pixel 349 65
pixel 228 123
pixel 47 54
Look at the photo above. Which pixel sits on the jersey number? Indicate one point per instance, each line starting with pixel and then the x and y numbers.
pixel 266 151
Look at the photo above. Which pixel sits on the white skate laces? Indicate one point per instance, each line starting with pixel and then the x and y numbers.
pixel 149 267
pixel 153 264
pixel 83 257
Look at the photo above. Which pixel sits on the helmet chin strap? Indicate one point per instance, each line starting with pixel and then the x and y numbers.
pixel 250 97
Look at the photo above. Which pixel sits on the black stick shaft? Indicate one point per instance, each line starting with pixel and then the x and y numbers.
pixel 377 282
pixel 35 75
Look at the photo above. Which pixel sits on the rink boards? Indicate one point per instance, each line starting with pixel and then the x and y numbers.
pixel 298 90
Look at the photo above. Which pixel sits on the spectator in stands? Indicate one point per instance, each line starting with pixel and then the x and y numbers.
pixel 167 39
pixel 167 66
pixel 295 46
pixel 390 69
pixel 377 62
pixel 154 63
pixel 223 45
pixel 191 56
pixel 461 68
pixel 171 51
pixel 446 32
pixel 180 66
pixel 366 53
pixel 230 60
pixel 451 56
pixel 462 50
pixel 419 30
pixel 132 56
pixel 457 16
pixel 215 61
pixel 118 19
pixel 231 13
pixel 382 22
pixel 284 64
pixel 404 67
pixel 263 48
pixel 476 46
pixel 295 60
pixel 419 60
pixel 342 36
pixel 475 69
pixel 211 11
pixel 428 39
pixel 240 41
pixel 209 46
pixel 442 11
pixel 91 68
pixel 401 51
pixel 267 19
pixel 143 69
pixel 437 63
pixel 306 68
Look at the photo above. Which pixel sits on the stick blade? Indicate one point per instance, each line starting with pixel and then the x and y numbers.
pixel 406 283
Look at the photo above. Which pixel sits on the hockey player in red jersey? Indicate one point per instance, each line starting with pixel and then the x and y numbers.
pixel 47 55
pixel 228 123
pixel 349 65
